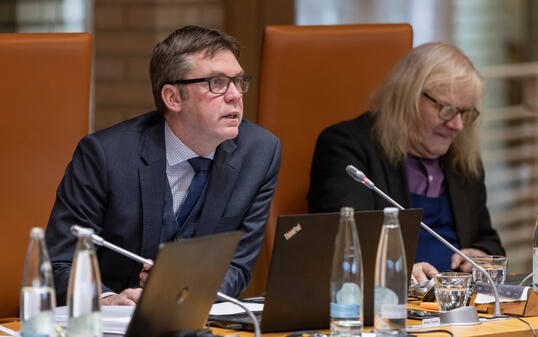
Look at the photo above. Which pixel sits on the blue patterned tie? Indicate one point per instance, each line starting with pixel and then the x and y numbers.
pixel 200 166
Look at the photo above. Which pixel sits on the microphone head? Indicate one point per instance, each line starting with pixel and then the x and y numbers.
pixel 81 231
pixel 359 176
pixel 355 173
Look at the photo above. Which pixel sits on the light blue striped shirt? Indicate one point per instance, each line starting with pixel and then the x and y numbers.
pixel 178 169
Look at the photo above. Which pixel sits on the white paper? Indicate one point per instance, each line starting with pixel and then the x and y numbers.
pixel 227 308
pixel 115 318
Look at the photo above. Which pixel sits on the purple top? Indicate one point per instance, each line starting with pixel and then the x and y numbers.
pixel 424 176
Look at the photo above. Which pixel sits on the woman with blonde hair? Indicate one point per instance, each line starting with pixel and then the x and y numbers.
pixel 418 143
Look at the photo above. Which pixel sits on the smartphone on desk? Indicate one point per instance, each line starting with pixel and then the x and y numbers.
pixel 421 314
pixel 429 295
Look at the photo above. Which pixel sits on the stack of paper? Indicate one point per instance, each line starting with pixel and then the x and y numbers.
pixel 228 308
pixel 115 318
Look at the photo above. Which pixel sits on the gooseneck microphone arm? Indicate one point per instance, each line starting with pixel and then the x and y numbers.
pixel 75 229
pixel 359 176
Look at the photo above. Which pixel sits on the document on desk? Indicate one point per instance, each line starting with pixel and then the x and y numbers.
pixel 227 308
pixel 115 318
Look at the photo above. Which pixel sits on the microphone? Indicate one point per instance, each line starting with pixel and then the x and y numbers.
pixel 76 230
pixel 359 176
pixel 99 241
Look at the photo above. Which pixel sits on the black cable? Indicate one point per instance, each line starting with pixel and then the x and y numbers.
pixel 530 326
pixel 514 316
pixel 432 331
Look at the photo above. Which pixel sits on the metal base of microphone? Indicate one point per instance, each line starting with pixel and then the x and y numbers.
pixel 460 316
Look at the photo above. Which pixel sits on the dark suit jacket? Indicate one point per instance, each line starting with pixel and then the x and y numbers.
pixel 116 184
pixel 351 143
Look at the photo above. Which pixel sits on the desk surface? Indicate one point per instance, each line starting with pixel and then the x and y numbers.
pixel 502 328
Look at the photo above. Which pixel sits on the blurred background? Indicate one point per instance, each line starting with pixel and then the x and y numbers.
pixel 500 37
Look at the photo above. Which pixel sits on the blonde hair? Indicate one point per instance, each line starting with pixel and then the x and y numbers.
pixel 396 103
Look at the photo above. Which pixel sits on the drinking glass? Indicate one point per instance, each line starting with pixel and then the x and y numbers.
pixel 452 290
pixel 495 266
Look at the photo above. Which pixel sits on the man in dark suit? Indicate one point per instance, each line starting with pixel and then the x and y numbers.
pixel 191 168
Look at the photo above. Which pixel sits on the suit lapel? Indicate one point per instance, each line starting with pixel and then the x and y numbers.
pixel 224 172
pixel 456 191
pixel 152 188
pixel 397 187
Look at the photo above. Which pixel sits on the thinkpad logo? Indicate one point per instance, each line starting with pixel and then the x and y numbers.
pixel 289 234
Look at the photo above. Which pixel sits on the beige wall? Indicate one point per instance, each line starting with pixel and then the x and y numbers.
pixel 127 30
pixel 125 33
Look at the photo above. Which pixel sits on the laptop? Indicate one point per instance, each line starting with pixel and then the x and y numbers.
pixel 298 288
pixel 183 285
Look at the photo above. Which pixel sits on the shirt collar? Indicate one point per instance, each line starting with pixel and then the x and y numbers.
pixel 176 151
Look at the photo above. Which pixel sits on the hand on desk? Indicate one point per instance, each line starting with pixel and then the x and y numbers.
pixel 423 271
pixel 144 274
pixel 127 297
pixel 457 262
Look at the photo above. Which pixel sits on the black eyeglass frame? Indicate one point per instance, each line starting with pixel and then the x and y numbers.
pixel 467 115
pixel 245 78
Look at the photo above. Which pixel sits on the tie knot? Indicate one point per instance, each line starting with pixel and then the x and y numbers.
pixel 200 163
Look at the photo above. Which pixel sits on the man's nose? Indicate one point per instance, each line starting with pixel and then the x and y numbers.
pixel 456 123
pixel 233 91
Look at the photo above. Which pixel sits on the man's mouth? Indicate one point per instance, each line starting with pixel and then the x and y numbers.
pixel 232 115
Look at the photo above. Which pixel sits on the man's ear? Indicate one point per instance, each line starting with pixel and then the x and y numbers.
pixel 171 98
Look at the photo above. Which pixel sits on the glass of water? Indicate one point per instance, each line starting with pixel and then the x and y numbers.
pixel 495 266
pixel 452 290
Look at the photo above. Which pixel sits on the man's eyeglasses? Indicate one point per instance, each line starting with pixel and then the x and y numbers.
pixel 219 84
pixel 448 112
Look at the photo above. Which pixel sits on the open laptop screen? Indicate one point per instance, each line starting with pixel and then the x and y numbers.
pixel 183 285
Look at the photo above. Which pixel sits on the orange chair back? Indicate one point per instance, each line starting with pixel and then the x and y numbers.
pixel 312 77
pixel 44 102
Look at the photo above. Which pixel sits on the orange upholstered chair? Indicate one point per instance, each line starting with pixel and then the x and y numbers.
pixel 44 107
pixel 312 77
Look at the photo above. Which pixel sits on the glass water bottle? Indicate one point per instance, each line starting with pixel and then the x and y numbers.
pixel 84 291
pixel 390 291
pixel 346 309
pixel 38 298
pixel 535 259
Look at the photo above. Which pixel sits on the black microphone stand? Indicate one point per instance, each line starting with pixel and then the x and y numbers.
pixel 359 176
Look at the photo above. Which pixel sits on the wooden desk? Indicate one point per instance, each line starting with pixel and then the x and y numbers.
pixel 505 328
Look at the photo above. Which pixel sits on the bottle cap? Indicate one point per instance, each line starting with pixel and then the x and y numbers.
pixel 347 211
pixel 36 232
pixel 388 210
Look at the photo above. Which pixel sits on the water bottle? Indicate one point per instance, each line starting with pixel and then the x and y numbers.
pixel 346 308
pixel 84 290
pixel 390 291
pixel 535 259
pixel 38 298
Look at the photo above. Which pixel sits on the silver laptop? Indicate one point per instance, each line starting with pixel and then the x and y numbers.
pixel 183 285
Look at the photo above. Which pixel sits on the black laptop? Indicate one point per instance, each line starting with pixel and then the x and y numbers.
pixel 298 288
pixel 183 285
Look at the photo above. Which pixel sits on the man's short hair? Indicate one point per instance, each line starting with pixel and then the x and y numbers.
pixel 170 61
